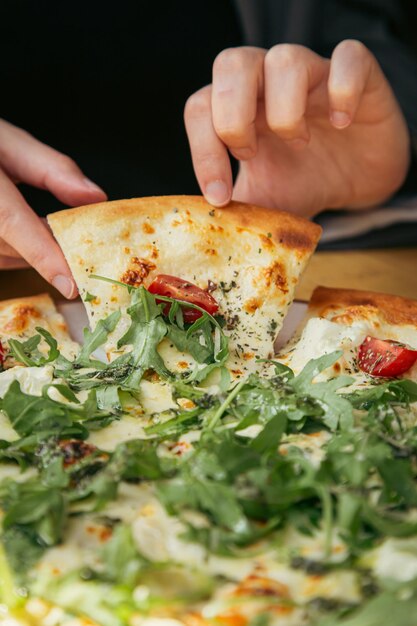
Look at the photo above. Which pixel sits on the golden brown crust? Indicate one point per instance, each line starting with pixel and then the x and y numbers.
pixel 395 310
pixel 42 301
pixel 283 228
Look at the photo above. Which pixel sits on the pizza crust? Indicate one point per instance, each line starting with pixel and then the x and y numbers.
pixel 19 318
pixel 248 256
pixel 355 304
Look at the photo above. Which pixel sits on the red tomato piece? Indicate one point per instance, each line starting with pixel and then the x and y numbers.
pixel 2 355
pixel 387 358
pixel 179 289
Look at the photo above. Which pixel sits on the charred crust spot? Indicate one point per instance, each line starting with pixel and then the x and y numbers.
pixel 261 586
pixel 294 239
pixel 103 533
pixel 266 241
pixel 275 274
pixel 147 228
pixel 137 272
pixel 74 450
pixel 248 355
pixel 215 228
pixel 351 314
pixel 21 317
pixel 154 254
pixel 252 305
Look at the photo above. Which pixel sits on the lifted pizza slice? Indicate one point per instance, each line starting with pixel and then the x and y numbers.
pixel 241 263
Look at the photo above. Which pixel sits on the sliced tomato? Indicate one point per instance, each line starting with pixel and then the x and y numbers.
pixel 387 358
pixel 179 289
pixel 2 355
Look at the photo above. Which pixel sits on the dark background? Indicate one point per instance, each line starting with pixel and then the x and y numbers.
pixel 106 83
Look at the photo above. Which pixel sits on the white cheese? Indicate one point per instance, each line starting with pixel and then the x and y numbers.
pixel 125 429
pixel 31 379
pixel 396 559
pixel 321 337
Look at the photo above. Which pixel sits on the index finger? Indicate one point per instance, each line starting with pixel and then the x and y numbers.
pixel 29 236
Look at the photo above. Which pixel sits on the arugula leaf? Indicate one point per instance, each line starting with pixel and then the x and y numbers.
pixel 108 398
pixel 27 352
pixel 41 415
pixel 89 297
pixel 400 605
pixel 30 414
pixel 121 561
pixel 96 338
pixel 337 410
pixel 269 438
pixel 144 335
pixel 8 589
pixel 174 425
pixel 38 508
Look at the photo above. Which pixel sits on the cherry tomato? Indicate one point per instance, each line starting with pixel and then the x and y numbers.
pixel 179 289
pixel 379 357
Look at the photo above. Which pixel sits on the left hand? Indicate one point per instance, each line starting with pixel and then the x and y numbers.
pixel 310 133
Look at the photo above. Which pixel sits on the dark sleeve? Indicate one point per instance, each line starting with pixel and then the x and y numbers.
pixel 386 28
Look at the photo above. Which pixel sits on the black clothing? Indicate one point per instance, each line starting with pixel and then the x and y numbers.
pixel 106 82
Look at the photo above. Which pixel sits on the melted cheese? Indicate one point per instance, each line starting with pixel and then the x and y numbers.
pixel 31 379
pixel 320 337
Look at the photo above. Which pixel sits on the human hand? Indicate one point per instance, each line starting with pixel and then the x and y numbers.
pixel 24 238
pixel 310 133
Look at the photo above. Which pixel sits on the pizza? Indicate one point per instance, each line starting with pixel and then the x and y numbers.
pixel 138 492
pixel 19 318
pixel 248 258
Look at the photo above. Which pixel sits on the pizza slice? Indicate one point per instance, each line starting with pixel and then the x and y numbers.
pixel 19 319
pixel 376 332
pixel 241 262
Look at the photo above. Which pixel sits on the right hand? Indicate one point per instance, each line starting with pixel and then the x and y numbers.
pixel 25 238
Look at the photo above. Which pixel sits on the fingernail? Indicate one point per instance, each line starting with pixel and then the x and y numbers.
pixel 217 193
pixel 340 119
pixel 65 285
pixel 89 183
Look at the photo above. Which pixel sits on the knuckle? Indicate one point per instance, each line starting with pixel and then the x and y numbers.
pixel 198 104
pixel 231 60
pixel 285 127
pixel 353 47
pixel 8 221
pixel 283 56
pixel 209 160
pixel 38 258
pixel 234 135
pixel 65 163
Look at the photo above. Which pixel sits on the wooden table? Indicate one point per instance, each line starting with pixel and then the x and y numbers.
pixel 391 271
